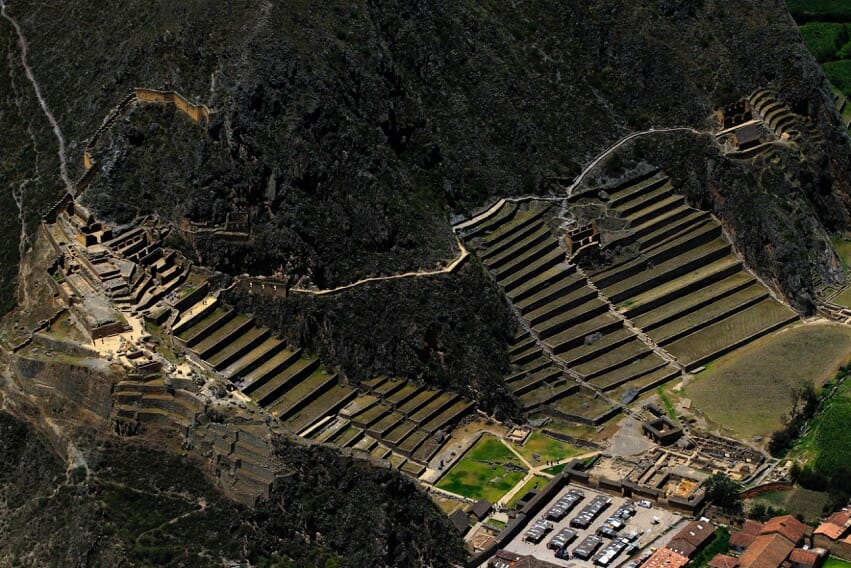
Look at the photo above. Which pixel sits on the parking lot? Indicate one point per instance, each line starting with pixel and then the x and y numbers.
pixel 641 528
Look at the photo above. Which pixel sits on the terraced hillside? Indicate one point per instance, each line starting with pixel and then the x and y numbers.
pixel 593 340
pixel 389 418
pixel 686 289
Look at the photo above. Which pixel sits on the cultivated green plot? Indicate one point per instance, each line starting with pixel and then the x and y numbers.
pixel 540 448
pixel 749 390
pixel 482 472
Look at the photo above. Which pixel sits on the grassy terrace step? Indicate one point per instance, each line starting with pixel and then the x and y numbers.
pixel 415 403
pixel 547 278
pixel 536 239
pixel 505 213
pixel 389 387
pixel 348 437
pixel 403 395
pixel 254 358
pixel 574 336
pixel 225 335
pixel 412 468
pixel 653 379
pixel 380 451
pixel 529 232
pixel 412 442
pixel 283 381
pixel 522 219
pixel 366 444
pixel 630 372
pixel 521 346
pixel 433 408
pixel 587 351
pixel 330 430
pixel 371 415
pixel 547 394
pixel 530 382
pixel 397 434
pixel 558 289
pixel 358 405
pixel 645 199
pixel 723 336
pixel 555 256
pixel 674 230
pixel 697 319
pixel 613 358
pixel 700 234
pixel 694 300
pixel 201 321
pixel 536 364
pixel 302 393
pixel 674 215
pixel 530 354
pixel 526 258
pixel 690 260
pixel 562 321
pixel 280 360
pixel 564 303
pixel 397 460
pixel 448 417
pixel 683 285
pixel 385 424
pixel 784 121
pixel 426 450
pixel 656 208
pixel 233 351
pixel 327 404
pixel 627 194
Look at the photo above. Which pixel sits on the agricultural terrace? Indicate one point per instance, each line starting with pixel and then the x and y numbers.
pixel 487 471
pixel 540 448
pixel 749 390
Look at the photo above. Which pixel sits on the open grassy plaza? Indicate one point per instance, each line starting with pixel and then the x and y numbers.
pixel 540 448
pixel 488 471
pixel 749 390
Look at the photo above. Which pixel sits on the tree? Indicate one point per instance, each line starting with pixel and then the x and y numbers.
pixel 723 492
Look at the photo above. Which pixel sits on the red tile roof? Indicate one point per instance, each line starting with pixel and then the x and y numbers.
pixel 723 561
pixel 788 526
pixel 692 537
pixel 767 551
pixel 839 518
pixel 739 539
pixel 804 557
pixel 666 558
pixel 752 527
pixel 830 530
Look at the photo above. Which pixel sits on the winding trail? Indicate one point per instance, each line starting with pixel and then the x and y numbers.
pixel 22 42
pixel 620 143
pixel 462 255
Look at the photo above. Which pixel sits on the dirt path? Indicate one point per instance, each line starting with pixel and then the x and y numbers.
pixel 462 255
pixel 22 42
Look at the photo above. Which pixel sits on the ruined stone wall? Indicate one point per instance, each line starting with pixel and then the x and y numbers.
pixel 198 113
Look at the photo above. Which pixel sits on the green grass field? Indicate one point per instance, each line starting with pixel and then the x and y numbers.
pixel 830 440
pixel 831 10
pixel 546 449
pixel 843 249
pixel 796 501
pixel 833 562
pixel 473 478
pixel 748 391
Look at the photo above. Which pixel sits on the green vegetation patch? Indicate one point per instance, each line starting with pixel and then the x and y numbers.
pixel 824 39
pixel 719 545
pixel 749 390
pixel 488 471
pixel 839 73
pixel 831 440
pixel 540 448
pixel 833 562
pixel 807 10
pixel 797 501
